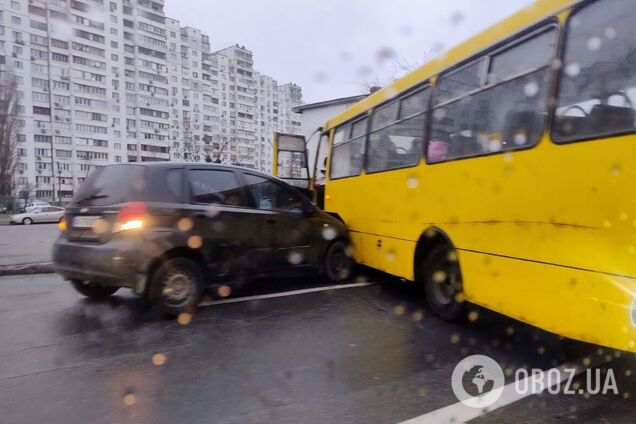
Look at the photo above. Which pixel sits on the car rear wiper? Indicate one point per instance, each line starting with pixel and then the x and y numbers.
pixel 91 197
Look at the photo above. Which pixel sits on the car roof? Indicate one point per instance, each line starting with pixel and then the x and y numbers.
pixel 195 165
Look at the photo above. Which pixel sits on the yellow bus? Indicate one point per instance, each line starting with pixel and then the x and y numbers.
pixel 503 173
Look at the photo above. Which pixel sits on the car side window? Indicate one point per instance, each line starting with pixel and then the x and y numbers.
pixel 270 195
pixel 213 186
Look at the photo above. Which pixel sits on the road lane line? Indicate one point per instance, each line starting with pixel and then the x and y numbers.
pixel 283 294
pixel 460 413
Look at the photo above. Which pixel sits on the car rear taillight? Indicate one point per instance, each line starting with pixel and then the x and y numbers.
pixel 131 216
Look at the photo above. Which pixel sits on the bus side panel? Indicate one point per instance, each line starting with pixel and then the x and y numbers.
pixel 598 307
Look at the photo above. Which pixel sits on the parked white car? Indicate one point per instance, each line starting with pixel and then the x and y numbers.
pixel 40 214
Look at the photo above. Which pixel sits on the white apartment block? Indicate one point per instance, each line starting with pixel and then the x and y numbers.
pixel 117 81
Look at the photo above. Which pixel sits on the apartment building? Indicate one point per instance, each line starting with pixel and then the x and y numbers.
pixel 117 81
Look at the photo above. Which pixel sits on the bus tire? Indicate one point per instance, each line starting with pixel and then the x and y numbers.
pixel 441 277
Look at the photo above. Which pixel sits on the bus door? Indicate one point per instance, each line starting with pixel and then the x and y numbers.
pixel 290 162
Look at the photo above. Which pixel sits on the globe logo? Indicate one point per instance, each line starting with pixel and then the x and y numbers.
pixel 478 381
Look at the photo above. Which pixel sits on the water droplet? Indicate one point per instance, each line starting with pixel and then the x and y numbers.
pixel 439 113
pixel 610 33
pixel 531 89
pixel 184 318
pixel 158 359
pixel 350 251
pixel 510 331
pixel 294 258
pixel 329 233
pixel 457 17
pixel 212 210
pixel 129 399
pixel 623 216
pixel 361 279
pixel 320 77
pixel 616 170
pixel 399 310
pixel 494 146
pixel 429 357
pixel 218 226
pixel 452 256
pixel 439 276
pixel 628 373
pixel 631 250
pixel 541 350
pixel 455 339
pixel 224 291
pixel 385 53
pixel 100 226
pixel 573 69
pixel 556 64
pixel 507 157
pixel 607 224
pixel 412 182
pixel 390 256
pixel 364 71
pixel 194 242
pixel 185 224
pixel 417 316
pixel 594 43
pixel 473 315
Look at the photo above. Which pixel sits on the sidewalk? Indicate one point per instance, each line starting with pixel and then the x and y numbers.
pixel 4 218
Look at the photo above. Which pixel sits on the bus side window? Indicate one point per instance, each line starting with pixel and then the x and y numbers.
pixel 597 86
pixel 507 113
pixel 348 150
pixel 396 140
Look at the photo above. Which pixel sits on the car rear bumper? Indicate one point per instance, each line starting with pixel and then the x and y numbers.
pixel 118 263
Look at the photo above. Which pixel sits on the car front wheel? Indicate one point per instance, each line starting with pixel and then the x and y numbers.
pixel 93 291
pixel 176 286
pixel 338 263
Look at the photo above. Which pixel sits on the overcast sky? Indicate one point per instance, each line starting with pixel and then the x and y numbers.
pixel 329 47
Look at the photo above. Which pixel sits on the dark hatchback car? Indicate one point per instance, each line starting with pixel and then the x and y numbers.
pixel 169 231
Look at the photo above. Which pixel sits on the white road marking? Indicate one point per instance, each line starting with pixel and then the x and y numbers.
pixel 460 413
pixel 284 294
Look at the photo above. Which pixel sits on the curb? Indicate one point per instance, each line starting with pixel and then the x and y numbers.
pixel 28 269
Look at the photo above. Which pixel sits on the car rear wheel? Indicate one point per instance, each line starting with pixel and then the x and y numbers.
pixel 176 286
pixel 93 291
pixel 443 283
pixel 27 221
pixel 338 263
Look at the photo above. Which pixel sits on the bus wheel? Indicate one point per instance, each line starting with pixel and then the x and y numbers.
pixel 443 283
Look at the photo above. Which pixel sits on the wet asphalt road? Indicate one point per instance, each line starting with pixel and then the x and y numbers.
pixel 368 354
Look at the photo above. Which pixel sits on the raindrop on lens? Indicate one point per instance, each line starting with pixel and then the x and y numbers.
pixel 329 233
pixel 184 318
pixel 194 242
pixel 594 43
pixel 320 77
pixel 294 258
pixel 439 113
pixel 494 145
pixel 520 138
pixel 610 33
pixel 412 182
pixel 390 256
pixel 224 291
pixel 439 276
pixel 531 89
pixel 185 224
pixel 129 399
pixel 399 310
pixel 158 359
pixel 573 69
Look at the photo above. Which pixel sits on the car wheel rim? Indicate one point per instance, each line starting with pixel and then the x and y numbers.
pixel 338 262
pixel 178 290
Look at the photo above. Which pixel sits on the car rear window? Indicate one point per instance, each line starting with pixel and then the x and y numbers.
pixel 112 184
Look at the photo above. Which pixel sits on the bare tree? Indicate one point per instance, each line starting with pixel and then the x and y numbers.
pixel 8 134
pixel 398 67
pixel 214 147
pixel 25 191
